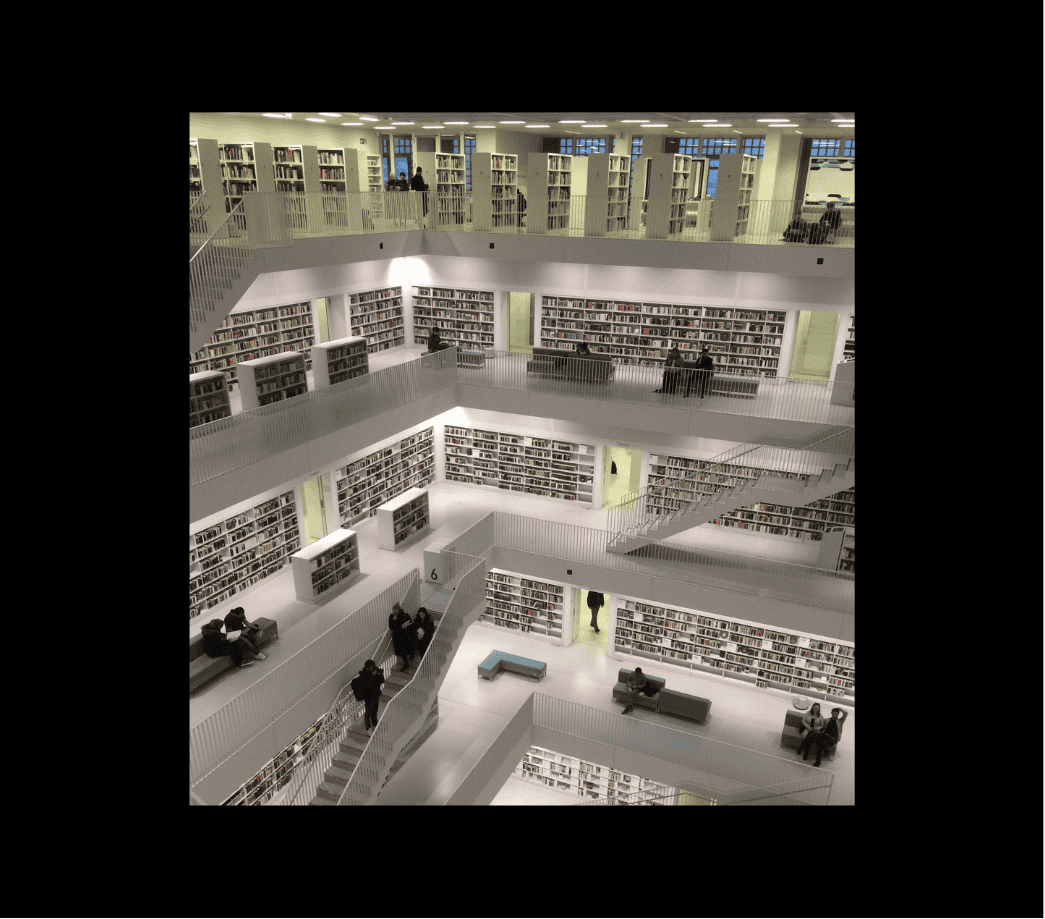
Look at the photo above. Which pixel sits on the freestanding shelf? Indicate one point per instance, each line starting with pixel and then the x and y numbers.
pixel 401 520
pixel 326 567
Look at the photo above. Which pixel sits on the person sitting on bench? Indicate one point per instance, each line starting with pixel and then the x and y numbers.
pixel 669 382
pixel 637 682
pixel 250 632
pixel 217 645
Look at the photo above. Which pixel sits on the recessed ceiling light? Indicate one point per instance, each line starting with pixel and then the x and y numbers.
pixel 320 120
pixel 593 125
pixel 484 125
pixel 716 124
pixel 368 118
pixel 655 126
pixel 457 122
pixel 426 126
pixel 843 120
pixel 276 115
pixel 330 114
pixel 402 122
pixel 537 126
pixel 351 124
pixel 634 121
pixel 785 125
pixel 571 122
pixel 782 120
pixel 512 122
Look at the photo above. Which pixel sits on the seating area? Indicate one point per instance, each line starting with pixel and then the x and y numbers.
pixel 665 701
pixel 565 365
pixel 500 660
pixel 791 735
pixel 203 669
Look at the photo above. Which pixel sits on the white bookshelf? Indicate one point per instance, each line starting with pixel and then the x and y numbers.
pixel 271 379
pixel 666 191
pixel 245 167
pixel 849 348
pixel 373 173
pixel 495 191
pixel 751 652
pixel 449 188
pixel 464 317
pixel 734 196
pixel 326 567
pixel 582 778
pixel 606 194
pixel 368 482
pixel 208 397
pixel 230 557
pixel 548 198
pixel 542 466
pixel 335 361
pixel 401 520
pixel 838 549
pixel 377 315
pixel 531 605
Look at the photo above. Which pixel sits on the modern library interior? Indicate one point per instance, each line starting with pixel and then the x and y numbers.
pixel 620 480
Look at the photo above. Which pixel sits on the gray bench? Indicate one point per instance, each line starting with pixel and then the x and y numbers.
pixel 513 663
pixel 567 365
pixel 203 667
pixel 683 705
pixel 791 736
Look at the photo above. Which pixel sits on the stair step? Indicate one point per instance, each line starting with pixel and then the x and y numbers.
pixel 336 775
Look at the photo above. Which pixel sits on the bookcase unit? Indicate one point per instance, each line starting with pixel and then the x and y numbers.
pixel 401 520
pixel 734 195
pixel 449 189
pixel 581 778
pixel 244 168
pixel 208 397
pixel 231 556
pixel 464 317
pixel 271 379
pixel 365 484
pixel 527 604
pixel 252 334
pixel 335 361
pixel 373 173
pixel 666 193
pixel 535 465
pixel 377 315
pixel 495 191
pixel 675 481
pixel 548 201
pixel 205 177
pixel 338 170
pixel 606 194
pixel 740 341
pixel 849 349
pixel 838 549
pixel 749 651
pixel 326 567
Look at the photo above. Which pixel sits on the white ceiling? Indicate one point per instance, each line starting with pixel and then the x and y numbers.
pixel 677 123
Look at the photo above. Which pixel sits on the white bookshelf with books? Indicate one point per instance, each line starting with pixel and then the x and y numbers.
pixel 677 481
pixel 403 519
pixel 271 379
pixel 363 485
pixel 548 199
pixel 838 549
pixel 208 397
pixel 606 194
pixel 325 568
pixel 666 192
pixel 463 317
pixel 335 361
pixel 450 195
pixel 495 189
pixel 582 778
pixel 544 466
pixel 531 605
pixel 734 195
pixel 742 342
pixel 812 665
pixel 377 315
pixel 230 556
pixel 373 173
pixel 252 334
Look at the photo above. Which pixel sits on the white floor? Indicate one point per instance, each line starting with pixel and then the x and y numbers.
pixel 473 711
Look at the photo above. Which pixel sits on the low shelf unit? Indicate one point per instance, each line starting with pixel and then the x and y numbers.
pixel 208 397
pixel 326 567
pixel 335 361
pixel 401 520
pixel 275 378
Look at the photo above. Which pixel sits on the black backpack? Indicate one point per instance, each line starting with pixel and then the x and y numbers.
pixel 357 688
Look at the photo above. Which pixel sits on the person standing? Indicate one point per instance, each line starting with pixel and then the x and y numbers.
pixel 595 602
pixel 831 220
pixel 404 639
pixel 813 722
pixel 705 368
pixel 372 677
pixel 417 183
pixel 636 683
pixel 426 626
pixel 669 383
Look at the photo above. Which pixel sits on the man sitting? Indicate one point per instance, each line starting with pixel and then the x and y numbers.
pixel 250 632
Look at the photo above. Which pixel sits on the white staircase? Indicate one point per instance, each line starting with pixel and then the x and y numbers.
pixel 766 489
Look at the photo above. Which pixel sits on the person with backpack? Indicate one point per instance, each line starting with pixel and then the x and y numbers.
pixel 217 645
pixel 366 687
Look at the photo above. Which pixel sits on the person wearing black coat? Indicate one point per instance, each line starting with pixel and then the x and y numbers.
pixel 404 636
pixel 671 375
pixel 372 677
pixel 426 624
pixel 831 221
pixel 705 367
pixel 236 621
pixel 217 645
pixel 435 343
pixel 595 602
pixel 417 183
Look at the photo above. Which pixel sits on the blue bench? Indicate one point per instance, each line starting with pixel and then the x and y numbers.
pixel 203 668
pixel 501 660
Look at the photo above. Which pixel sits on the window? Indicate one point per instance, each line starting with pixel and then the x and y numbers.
pixel 755 146
pixel 385 160
pixel 582 146
pixel 636 152
pixel 715 146
pixel 833 146
pixel 689 146
pixel 403 155
pixel 469 149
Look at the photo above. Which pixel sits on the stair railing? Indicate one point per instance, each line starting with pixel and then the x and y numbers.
pixel 212 267
pixel 404 716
